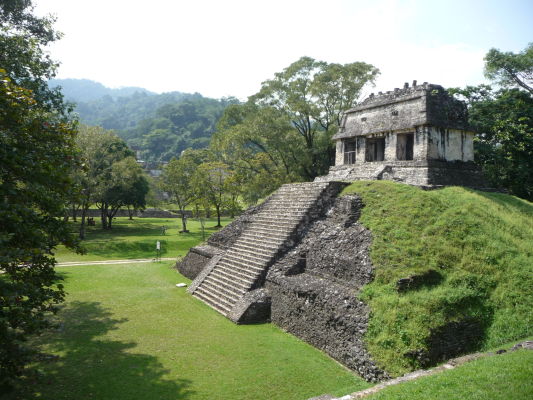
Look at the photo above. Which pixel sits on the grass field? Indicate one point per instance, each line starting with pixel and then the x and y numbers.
pixel 127 332
pixel 502 377
pixel 137 239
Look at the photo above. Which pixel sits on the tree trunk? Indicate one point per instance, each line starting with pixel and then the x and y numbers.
pixel 218 217
pixel 183 222
pixel 82 225
pixel 103 217
pixel 130 213
pixel 74 212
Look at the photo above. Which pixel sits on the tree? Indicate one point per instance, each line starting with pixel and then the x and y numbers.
pixel 210 180
pixel 127 186
pixel 260 145
pixel 177 180
pixel 503 121
pixel 37 156
pixel 314 94
pixel 37 153
pixel 99 149
pixel 509 69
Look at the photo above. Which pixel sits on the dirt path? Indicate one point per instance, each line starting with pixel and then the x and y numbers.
pixel 107 262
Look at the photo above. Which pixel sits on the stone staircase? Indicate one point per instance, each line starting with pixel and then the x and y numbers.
pixel 244 265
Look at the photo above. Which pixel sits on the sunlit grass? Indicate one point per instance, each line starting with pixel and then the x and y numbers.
pixel 477 250
pixel 132 239
pixel 127 332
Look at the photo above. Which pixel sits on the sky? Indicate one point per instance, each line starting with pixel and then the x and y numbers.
pixel 223 48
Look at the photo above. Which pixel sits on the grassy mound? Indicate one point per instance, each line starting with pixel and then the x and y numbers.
pixel 465 261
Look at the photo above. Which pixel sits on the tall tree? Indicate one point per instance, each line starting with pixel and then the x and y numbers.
pixel 37 156
pixel 211 184
pixel 314 94
pixel 99 150
pixel 177 180
pixel 127 185
pixel 509 69
pixel 37 153
pixel 503 120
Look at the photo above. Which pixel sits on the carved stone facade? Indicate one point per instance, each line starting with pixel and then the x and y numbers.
pixel 417 135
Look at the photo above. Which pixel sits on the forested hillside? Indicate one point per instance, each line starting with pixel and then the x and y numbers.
pixel 161 126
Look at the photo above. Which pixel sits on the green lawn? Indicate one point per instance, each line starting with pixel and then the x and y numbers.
pixel 502 377
pixel 126 332
pixel 137 239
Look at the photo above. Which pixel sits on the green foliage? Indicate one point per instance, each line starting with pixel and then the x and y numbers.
pixel 504 144
pixel 36 149
pixel 110 177
pixel 510 69
pixel 177 180
pixel 283 133
pixel 213 185
pixel 313 95
pixel 159 126
pixel 37 156
pixel 479 247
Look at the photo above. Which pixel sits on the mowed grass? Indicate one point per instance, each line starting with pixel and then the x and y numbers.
pixel 502 377
pixel 131 239
pixel 127 332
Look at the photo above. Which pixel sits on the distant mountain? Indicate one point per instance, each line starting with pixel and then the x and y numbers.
pixel 83 90
pixel 160 126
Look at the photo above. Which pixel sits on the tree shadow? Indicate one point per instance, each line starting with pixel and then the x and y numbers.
pixel 510 203
pixel 94 367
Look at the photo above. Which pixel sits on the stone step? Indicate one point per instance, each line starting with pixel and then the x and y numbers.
pixel 269 227
pixel 231 278
pixel 221 297
pixel 277 221
pixel 213 301
pixel 265 230
pixel 253 250
pixel 230 285
pixel 244 275
pixel 252 261
pixel 261 242
pixel 246 260
pixel 219 290
pixel 291 203
pixel 244 267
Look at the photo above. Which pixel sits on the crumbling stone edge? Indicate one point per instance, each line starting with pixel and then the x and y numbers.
pixel 451 364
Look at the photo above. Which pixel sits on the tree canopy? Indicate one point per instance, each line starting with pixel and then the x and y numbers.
pixel 37 156
pixel 283 133
pixel 509 69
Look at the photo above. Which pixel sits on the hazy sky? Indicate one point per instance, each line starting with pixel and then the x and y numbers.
pixel 228 47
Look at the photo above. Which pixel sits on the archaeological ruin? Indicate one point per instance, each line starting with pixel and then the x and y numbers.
pixel 300 258
pixel 417 135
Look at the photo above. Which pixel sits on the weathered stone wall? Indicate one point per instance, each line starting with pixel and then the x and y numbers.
pixel 313 288
pixel 403 109
pixel 450 145
pixel 427 174
pixel 196 260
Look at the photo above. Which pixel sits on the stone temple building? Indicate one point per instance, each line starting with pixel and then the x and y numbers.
pixel 417 135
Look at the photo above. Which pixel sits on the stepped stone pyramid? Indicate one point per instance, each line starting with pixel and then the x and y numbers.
pixel 243 267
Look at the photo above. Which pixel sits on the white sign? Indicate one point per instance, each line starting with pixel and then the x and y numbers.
pixel 158 245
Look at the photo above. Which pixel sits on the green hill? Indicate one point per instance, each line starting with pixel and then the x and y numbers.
pixel 465 261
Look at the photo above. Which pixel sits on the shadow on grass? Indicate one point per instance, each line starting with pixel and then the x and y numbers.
pixel 510 203
pixel 96 367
